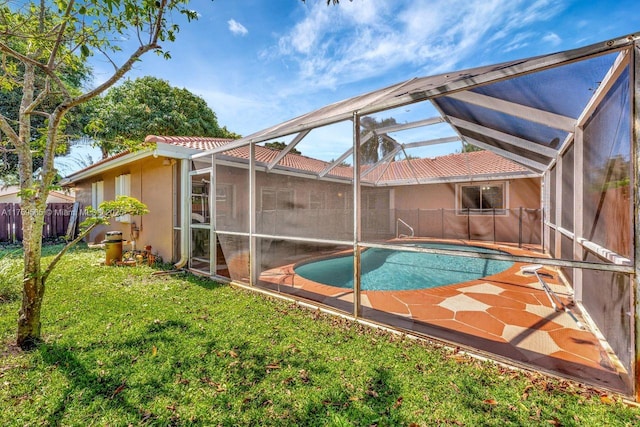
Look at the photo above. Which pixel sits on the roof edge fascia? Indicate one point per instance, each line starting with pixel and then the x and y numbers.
pixel 109 164
pixel 161 149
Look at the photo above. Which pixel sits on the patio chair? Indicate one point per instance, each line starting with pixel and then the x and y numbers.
pixel 555 301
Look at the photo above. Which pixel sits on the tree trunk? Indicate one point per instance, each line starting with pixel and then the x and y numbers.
pixel 29 318
pixel 33 280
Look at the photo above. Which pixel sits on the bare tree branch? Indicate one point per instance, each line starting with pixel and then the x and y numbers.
pixel 64 250
pixel 60 35
pixel 41 96
pixel 119 72
pixel 6 128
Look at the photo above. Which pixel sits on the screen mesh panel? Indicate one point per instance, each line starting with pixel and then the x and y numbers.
pixel 607 173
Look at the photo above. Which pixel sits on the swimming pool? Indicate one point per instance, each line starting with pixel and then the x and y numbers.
pixel 386 269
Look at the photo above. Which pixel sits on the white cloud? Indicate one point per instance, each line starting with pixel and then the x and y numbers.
pixel 237 28
pixel 357 40
pixel 552 38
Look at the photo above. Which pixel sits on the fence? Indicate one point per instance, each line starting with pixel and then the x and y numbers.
pixel 519 225
pixel 56 221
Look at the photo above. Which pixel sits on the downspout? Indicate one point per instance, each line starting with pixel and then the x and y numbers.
pixel 184 214
pixel 635 143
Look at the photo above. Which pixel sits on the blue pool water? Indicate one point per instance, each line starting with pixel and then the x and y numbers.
pixel 385 269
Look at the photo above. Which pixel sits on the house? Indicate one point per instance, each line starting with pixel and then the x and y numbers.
pixel 9 194
pixel 56 222
pixel 430 197
pixel 157 177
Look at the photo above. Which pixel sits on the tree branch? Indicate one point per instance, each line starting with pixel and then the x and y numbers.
pixel 41 96
pixel 20 57
pixel 68 246
pixel 41 114
pixel 119 72
pixel 158 26
pixel 60 35
pixel 106 55
pixel 6 128
pixel 117 75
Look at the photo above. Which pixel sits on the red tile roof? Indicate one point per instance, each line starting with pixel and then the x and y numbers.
pixel 201 143
pixel 291 161
pixel 457 165
pixel 452 165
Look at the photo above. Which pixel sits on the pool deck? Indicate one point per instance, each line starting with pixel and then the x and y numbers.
pixel 507 315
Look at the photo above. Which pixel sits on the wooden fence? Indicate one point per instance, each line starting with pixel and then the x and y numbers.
pixel 57 218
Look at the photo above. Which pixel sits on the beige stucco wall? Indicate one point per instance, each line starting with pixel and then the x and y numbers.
pixel 152 184
pixel 523 192
pixel 434 196
pixel 419 205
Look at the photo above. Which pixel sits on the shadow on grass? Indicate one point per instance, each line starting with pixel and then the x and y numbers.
pixel 204 282
pixel 89 382
pixel 81 381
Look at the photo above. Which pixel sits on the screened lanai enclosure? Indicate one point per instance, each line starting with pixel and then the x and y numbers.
pixel 494 209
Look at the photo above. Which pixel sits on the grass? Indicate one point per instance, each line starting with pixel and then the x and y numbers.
pixel 126 347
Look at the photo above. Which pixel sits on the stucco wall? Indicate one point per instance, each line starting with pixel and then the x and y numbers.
pixel 523 192
pixel 421 206
pixel 152 184
pixel 418 205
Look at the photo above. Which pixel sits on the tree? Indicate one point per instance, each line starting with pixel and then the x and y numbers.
pixel 470 148
pixel 40 43
pixel 279 145
pixel 122 119
pixel 74 77
pixel 377 146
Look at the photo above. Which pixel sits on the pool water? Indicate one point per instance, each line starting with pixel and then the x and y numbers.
pixel 385 269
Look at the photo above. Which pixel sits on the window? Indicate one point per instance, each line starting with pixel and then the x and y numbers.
pixel 317 201
pixel 268 199
pixel 123 188
pixel 281 199
pixel 97 194
pixel 480 199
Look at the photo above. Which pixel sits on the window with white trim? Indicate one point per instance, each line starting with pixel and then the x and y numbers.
pixel 123 188
pixel 481 199
pixel 97 194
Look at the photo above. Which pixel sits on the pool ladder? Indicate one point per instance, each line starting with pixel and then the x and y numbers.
pixel 400 221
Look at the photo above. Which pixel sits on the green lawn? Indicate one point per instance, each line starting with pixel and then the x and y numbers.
pixel 123 346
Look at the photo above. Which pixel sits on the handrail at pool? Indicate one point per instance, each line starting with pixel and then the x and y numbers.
pixel 400 221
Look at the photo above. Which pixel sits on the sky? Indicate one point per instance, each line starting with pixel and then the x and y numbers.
pixel 261 62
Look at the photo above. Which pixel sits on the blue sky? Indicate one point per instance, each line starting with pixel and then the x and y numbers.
pixel 261 62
